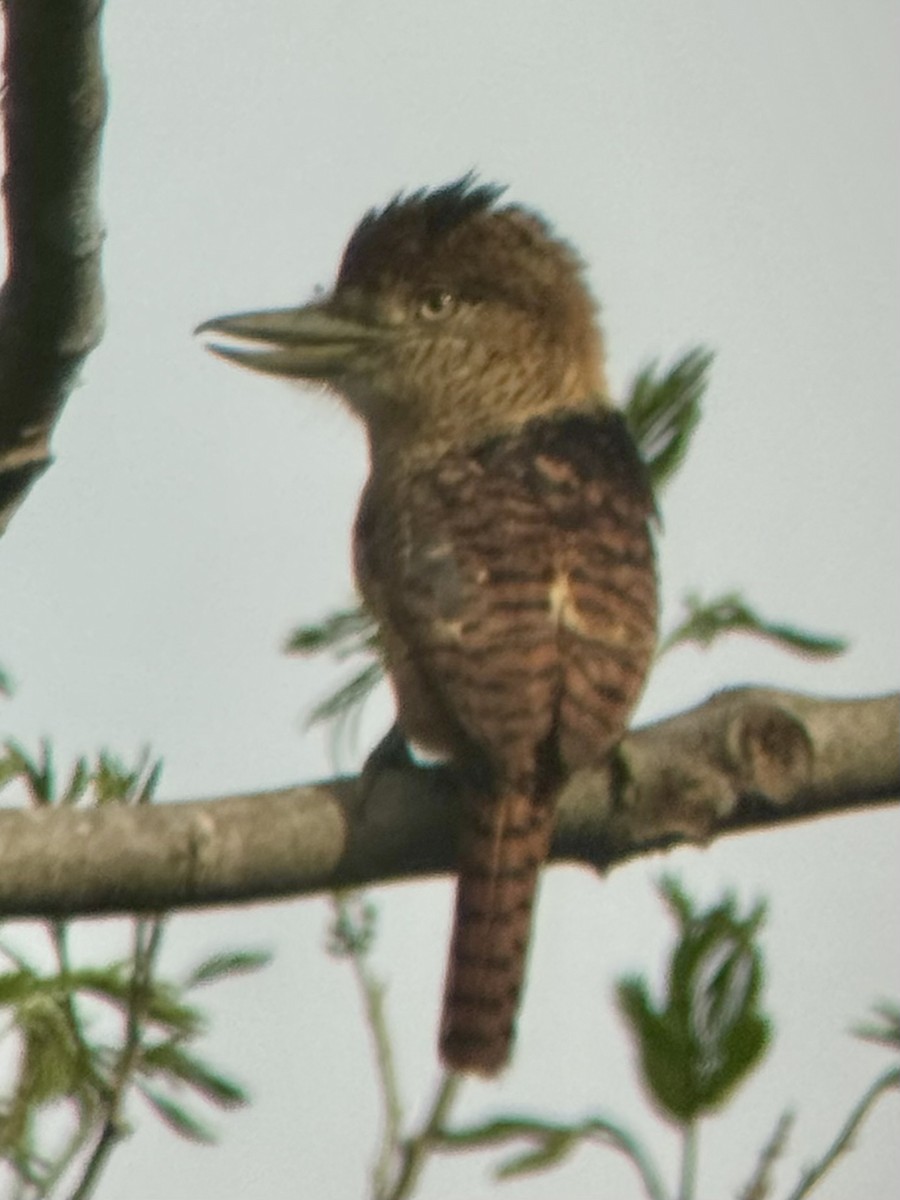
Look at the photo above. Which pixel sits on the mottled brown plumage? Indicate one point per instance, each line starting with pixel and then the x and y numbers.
pixel 502 542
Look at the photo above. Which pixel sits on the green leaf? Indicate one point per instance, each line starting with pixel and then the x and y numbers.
pixel 145 792
pixel 353 929
pixel 9 767
pixel 51 1055
pixel 663 411
pixel 15 957
pixel 664 1050
pixel 6 686
pixel 16 986
pixel 557 1145
pixel 888 1032
pixel 164 1006
pixel 36 773
pixel 110 981
pixel 111 781
pixel 707 1032
pixel 340 705
pixel 170 1059
pixel 114 783
pixel 706 621
pixel 161 1002
pixel 79 782
pixel 343 633
pixel 226 963
pixel 176 1116
pixel 550 1144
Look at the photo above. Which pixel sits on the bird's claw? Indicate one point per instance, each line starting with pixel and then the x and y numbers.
pixel 391 754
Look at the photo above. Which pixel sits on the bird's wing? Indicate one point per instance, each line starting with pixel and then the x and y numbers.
pixel 514 581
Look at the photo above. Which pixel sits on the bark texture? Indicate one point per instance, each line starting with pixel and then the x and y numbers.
pixel 745 759
pixel 51 305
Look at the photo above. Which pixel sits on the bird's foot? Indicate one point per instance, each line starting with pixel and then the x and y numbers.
pixel 391 754
pixel 394 753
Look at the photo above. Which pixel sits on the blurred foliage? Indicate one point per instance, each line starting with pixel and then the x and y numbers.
pixel 663 412
pixel 344 634
pixel 886 1030
pixel 883 1032
pixel 64 1071
pixel 693 1048
pixel 353 926
pixel 707 1032
pixel 706 621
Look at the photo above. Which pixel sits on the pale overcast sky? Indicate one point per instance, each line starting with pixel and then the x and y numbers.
pixel 730 172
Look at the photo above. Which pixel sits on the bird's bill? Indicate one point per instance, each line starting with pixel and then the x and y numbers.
pixel 299 343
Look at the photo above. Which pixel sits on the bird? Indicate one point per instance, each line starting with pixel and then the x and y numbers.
pixel 504 541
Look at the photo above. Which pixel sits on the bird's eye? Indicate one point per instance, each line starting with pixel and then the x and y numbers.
pixel 436 303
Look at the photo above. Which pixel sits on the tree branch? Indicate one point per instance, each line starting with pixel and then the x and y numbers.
pixel 745 759
pixel 51 306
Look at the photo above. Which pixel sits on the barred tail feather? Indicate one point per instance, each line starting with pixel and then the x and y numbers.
pixel 504 842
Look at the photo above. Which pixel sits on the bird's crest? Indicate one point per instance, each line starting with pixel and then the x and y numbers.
pixel 414 221
pixel 438 209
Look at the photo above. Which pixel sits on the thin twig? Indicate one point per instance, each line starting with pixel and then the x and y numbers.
pixel 619 1140
pixel 59 931
pixel 372 992
pixel 552 1141
pixel 88 1097
pixel 147 940
pixel 417 1148
pixel 841 1144
pixel 760 1183
pixel 76 1143
pixel 411 1152
pixel 688 1180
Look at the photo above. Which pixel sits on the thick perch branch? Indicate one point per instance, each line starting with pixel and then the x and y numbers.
pixel 746 759
pixel 51 306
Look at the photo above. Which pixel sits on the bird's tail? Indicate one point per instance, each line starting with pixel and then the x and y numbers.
pixel 504 842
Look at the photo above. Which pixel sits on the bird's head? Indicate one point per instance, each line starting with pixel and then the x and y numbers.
pixel 451 318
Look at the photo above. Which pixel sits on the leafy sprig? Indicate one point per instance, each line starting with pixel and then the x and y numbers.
pixel 49 1014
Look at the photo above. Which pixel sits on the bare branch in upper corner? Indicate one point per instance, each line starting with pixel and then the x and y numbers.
pixel 51 305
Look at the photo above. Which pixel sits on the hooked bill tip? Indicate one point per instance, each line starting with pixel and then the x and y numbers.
pixel 233 347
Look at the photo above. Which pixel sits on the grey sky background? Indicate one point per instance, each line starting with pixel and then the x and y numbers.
pixel 730 172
